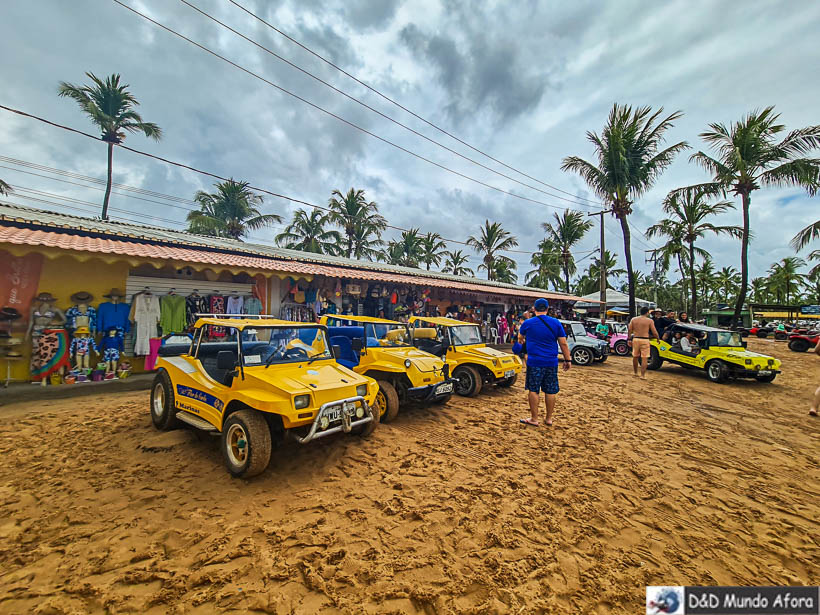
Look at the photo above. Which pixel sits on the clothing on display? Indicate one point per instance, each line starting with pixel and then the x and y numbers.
pixel 111 346
pixel 172 314
pixel 49 353
pixel 146 311
pixel 113 315
pixel 253 306
pixel 75 317
pixel 81 346
pixel 195 304
pixel 217 306
pixel 297 313
pixel 234 305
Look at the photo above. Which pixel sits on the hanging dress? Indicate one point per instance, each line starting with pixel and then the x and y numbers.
pixel 146 318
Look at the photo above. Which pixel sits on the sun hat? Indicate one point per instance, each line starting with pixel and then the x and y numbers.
pixel 115 292
pixel 45 298
pixel 541 305
pixel 82 297
pixel 80 330
pixel 9 313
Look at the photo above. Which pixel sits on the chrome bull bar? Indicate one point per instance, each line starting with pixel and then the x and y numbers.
pixel 348 424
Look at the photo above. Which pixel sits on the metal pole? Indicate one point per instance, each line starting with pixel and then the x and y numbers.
pixel 602 264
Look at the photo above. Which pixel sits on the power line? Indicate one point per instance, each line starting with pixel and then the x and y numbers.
pixel 402 107
pixel 333 115
pixel 374 110
pixel 219 177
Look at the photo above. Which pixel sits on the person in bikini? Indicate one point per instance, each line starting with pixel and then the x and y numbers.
pixel 641 330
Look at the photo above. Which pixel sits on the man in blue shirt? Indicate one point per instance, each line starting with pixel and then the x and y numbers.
pixel 543 334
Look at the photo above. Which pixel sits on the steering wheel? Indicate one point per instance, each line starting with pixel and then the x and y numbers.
pixel 295 353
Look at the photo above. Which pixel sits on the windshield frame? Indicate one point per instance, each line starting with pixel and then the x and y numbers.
pixel 452 328
pixel 371 326
pixel 328 353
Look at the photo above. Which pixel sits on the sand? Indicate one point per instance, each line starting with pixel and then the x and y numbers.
pixel 452 510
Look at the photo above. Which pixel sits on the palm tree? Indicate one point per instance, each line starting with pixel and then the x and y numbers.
pixel 570 228
pixel 355 215
pixel 759 290
pixel 705 277
pixel 688 209
pixel 308 232
pixel 727 280
pixel 493 239
pixel 547 266
pixel 454 262
pixel 629 163
pixel 230 212
pixel 672 249
pixel 432 249
pixel 366 241
pixel 611 262
pixel 405 251
pixel 504 271
pixel 749 157
pixel 5 189
pixel 804 238
pixel 110 106
pixel 785 280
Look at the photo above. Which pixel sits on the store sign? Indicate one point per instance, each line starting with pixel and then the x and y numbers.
pixel 20 277
pixel 810 309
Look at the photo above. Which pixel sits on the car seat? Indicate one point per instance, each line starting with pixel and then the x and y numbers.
pixel 346 356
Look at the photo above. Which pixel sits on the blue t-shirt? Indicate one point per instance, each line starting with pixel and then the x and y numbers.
pixel 542 335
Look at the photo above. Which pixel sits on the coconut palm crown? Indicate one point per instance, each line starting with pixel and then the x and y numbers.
pixel 229 212
pixel 493 239
pixel 309 233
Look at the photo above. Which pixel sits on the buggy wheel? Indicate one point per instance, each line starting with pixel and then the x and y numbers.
pixel 163 409
pixel 621 348
pixel 468 381
pixel 387 402
pixel 655 360
pixel 762 333
pixel 799 345
pixel 716 371
pixel 246 443
pixel 581 356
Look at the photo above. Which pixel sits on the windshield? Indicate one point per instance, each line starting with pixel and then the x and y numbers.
pixel 619 327
pixel 577 329
pixel 387 334
pixel 273 345
pixel 727 338
pixel 464 335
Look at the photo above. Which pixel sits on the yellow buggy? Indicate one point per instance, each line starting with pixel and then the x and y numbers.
pixel 268 379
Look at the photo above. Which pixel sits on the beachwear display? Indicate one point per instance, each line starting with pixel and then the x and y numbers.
pixel 253 306
pixel 49 353
pixel 113 315
pixel 217 306
pixel 81 346
pixel 76 318
pixel 146 314
pixel 111 347
pixel 195 304
pixel 173 314
pixel 234 305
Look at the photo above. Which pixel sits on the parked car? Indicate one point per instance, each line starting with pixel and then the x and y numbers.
pixel 801 342
pixel 383 349
pixel 618 339
pixel 722 354
pixel 277 378
pixel 584 349
pixel 473 363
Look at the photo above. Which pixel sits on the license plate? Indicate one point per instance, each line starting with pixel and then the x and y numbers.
pixel 446 387
pixel 765 372
pixel 509 373
pixel 334 414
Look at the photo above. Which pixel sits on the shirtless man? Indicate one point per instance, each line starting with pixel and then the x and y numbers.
pixel 815 407
pixel 641 328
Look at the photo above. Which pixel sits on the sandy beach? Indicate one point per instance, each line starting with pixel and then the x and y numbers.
pixel 458 509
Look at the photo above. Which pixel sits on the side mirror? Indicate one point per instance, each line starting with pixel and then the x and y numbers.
pixel 336 350
pixel 225 360
pixel 357 344
pixel 744 343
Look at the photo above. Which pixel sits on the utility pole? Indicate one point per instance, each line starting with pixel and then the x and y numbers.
pixel 654 260
pixel 602 262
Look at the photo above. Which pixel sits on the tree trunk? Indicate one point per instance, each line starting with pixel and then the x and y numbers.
pixel 566 274
pixel 628 258
pixel 682 272
pixel 349 243
pixel 108 184
pixel 692 279
pixel 744 257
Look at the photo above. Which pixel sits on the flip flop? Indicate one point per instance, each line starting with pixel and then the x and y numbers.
pixel 529 422
pixel 811 413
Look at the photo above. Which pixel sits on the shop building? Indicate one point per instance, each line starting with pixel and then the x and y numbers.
pixel 163 276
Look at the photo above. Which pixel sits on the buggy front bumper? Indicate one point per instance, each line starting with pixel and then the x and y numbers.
pixel 346 409
pixel 432 392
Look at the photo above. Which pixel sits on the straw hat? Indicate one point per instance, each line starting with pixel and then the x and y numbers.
pixel 82 297
pixel 45 298
pixel 115 292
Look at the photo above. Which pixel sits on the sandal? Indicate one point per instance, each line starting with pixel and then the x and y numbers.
pixel 529 422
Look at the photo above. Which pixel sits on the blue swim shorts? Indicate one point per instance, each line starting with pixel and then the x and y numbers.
pixel 542 379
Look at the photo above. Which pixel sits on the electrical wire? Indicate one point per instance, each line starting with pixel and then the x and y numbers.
pixel 402 107
pixel 333 115
pixel 374 110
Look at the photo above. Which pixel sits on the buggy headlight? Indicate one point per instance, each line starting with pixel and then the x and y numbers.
pixel 361 390
pixel 748 361
pixel 324 422
pixel 301 401
pixel 359 412
pixel 407 363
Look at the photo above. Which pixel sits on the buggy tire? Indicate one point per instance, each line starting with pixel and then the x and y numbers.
pixel 387 402
pixel 246 443
pixel 163 408
pixel 469 381
pixel 582 356
pixel 655 361
pixel 780 336
pixel 621 348
pixel 799 345
pixel 762 334
pixel 716 371
pixel 602 358
pixel 508 382
pixel 768 378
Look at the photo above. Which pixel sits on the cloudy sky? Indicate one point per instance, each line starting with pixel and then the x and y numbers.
pixel 521 81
